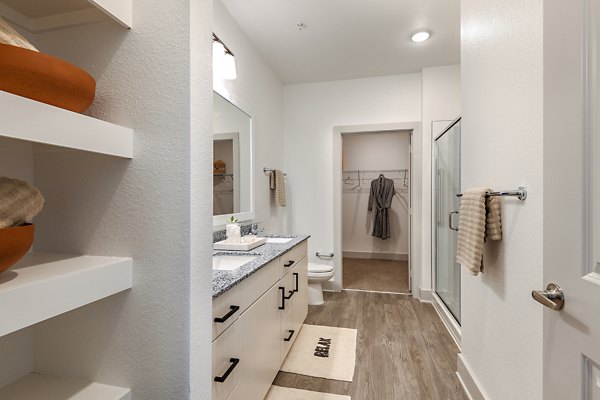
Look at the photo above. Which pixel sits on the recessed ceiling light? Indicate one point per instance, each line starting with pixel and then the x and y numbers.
pixel 420 36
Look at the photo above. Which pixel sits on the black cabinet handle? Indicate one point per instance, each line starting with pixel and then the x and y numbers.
pixel 296 278
pixel 289 264
pixel 282 306
pixel 290 296
pixel 289 338
pixel 234 362
pixel 233 310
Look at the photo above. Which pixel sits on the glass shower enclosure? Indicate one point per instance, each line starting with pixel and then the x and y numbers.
pixel 446 270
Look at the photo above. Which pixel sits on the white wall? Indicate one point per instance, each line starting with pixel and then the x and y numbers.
pixel 16 350
pixel 258 91
pixel 139 208
pixel 502 147
pixel 441 101
pixel 375 151
pixel 311 113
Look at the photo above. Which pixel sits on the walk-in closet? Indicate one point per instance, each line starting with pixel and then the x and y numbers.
pixel 376 211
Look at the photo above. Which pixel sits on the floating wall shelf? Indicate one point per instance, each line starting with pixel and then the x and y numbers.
pixel 37 122
pixel 44 387
pixel 44 285
pixel 54 14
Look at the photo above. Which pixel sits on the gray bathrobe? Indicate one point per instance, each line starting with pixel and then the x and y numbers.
pixel 382 193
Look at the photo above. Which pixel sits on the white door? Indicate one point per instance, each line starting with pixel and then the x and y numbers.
pixel 571 199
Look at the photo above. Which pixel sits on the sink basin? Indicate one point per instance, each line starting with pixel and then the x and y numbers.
pixel 230 263
pixel 278 240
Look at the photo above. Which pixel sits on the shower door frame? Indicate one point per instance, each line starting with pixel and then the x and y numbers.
pixel 447 317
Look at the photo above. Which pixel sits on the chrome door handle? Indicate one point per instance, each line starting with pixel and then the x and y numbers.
pixel 450 220
pixel 553 297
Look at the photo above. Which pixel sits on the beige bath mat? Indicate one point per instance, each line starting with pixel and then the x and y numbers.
pixel 323 352
pixel 281 393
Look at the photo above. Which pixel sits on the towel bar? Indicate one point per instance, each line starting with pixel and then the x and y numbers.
pixel 265 170
pixel 330 255
pixel 521 193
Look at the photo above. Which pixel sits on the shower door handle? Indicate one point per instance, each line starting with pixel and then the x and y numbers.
pixel 450 220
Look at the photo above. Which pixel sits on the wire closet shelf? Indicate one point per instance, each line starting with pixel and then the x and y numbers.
pixel 359 180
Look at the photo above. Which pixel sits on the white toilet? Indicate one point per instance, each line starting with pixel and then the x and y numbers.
pixel 317 274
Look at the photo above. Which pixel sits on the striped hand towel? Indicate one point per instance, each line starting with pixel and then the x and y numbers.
pixel 479 219
pixel 280 188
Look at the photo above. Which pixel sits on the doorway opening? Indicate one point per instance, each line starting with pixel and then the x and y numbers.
pixel 375 203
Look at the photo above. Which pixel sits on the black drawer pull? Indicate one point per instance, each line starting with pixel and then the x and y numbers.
pixel 233 310
pixel 234 362
pixel 289 338
pixel 296 275
pixel 282 306
pixel 289 263
pixel 290 296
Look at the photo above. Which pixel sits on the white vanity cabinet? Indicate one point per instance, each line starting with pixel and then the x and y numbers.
pixel 259 333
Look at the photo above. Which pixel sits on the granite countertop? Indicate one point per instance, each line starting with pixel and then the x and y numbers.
pixel 225 280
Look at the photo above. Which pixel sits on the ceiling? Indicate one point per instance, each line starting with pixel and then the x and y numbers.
pixel 346 39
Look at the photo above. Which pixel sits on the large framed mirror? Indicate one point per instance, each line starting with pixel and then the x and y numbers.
pixel 232 162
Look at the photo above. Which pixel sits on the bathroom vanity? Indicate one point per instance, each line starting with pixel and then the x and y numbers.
pixel 259 305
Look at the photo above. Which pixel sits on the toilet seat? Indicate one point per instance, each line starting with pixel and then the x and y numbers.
pixel 319 269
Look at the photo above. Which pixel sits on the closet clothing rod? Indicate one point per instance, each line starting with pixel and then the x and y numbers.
pixel 521 193
pixel 373 170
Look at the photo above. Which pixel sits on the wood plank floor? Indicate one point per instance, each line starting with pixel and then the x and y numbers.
pixel 403 350
pixel 376 275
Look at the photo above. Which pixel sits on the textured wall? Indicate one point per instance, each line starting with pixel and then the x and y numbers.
pixel 201 116
pixel 502 138
pixel 141 208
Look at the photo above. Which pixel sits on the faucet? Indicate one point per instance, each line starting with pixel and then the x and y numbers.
pixel 255 230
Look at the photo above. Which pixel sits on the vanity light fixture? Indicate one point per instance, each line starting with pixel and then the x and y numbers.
pixel 420 36
pixel 223 59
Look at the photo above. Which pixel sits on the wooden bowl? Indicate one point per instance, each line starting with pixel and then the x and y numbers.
pixel 45 78
pixel 15 242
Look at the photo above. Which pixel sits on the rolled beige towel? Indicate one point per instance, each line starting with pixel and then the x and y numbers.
pixel 19 202
pixel 493 220
pixel 9 36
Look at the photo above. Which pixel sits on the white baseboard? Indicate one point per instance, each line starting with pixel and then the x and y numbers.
pixel 365 255
pixel 469 382
pixel 425 294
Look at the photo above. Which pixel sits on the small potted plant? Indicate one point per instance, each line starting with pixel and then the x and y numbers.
pixel 233 230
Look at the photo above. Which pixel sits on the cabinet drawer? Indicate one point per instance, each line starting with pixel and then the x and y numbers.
pixel 261 281
pixel 231 304
pixel 227 308
pixel 289 260
pixel 237 393
pixel 226 362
